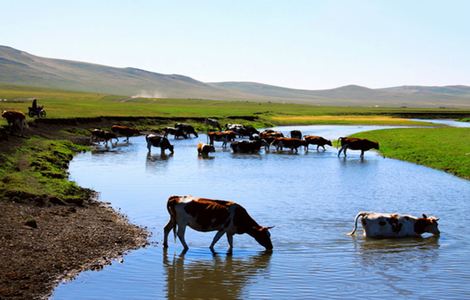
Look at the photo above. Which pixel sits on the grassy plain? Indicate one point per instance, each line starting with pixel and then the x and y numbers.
pixel 446 149
pixel 67 104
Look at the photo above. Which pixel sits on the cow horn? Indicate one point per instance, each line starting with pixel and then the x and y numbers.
pixel 424 216
pixel 270 227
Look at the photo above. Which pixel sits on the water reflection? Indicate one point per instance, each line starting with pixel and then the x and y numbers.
pixel 219 277
pixel 154 162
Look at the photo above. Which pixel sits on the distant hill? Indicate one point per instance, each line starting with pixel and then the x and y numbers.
pixel 21 68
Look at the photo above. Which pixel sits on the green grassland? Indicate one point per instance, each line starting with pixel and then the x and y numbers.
pixel 446 149
pixel 67 104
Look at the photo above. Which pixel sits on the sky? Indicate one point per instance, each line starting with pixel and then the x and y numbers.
pixel 298 44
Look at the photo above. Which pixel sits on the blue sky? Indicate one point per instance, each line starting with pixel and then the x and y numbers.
pixel 299 44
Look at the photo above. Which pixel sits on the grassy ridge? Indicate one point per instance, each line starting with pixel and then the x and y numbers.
pixel 66 104
pixel 446 149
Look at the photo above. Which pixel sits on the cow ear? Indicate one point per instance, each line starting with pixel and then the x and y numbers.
pixel 424 216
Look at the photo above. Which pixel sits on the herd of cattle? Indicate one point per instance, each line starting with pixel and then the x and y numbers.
pixel 252 141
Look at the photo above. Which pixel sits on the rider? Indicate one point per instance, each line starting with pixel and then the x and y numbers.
pixel 34 106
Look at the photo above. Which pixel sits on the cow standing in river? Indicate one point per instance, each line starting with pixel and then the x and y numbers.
pixel 356 144
pixel 205 215
pixel 158 141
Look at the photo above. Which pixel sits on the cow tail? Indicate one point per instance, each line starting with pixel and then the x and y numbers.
pixel 171 210
pixel 339 142
pixel 360 214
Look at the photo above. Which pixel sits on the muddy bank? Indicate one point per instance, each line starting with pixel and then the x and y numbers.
pixel 50 228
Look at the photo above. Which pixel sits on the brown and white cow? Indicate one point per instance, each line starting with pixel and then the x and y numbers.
pixel 125 131
pixel 98 135
pixel 158 141
pixel 221 136
pixel 204 149
pixel 205 215
pixel 316 140
pixel 356 144
pixel 16 121
pixel 380 225
pixel 292 143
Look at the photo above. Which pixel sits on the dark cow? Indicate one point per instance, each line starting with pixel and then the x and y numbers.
pixel 356 144
pixel 125 131
pixel 204 150
pixel 177 132
pixel 316 140
pixel 221 136
pixel 205 215
pixel 380 225
pixel 213 123
pixel 16 121
pixel 98 135
pixel 291 143
pixel 252 146
pixel 296 134
pixel 158 141
pixel 187 129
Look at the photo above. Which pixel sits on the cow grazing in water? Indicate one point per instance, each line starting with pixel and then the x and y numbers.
pixel 356 144
pixel 205 215
pixel 296 134
pixel 221 136
pixel 98 135
pixel 204 150
pixel 125 131
pixel 379 225
pixel 158 141
pixel 252 146
pixel 16 121
pixel 187 129
pixel 291 143
pixel 177 132
pixel 316 140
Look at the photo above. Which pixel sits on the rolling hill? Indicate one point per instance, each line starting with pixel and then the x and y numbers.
pixel 21 68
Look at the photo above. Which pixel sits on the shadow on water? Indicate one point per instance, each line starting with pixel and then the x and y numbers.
pixel 219 277
pixel 155 162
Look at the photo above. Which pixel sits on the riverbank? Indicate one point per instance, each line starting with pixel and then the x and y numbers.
pixel 50 228
pixel 446 149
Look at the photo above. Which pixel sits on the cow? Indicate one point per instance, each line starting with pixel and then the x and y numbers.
pixel 251 146
pixel 213 123
pixel 187 129
pixel 201 214
pixel 158 141
pixel 16 121
pixel 124 131
pixel 291 143
pixel 221 136
pixel 296 134
pixel 356 144
pixel 316 140
pixel 177 132
pixel 204 149
pixel 98 135
pixel 269 136
pixel 380 225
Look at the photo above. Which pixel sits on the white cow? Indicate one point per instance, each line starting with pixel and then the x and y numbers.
pixel 381 225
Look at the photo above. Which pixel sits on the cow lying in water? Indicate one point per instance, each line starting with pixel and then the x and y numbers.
pixel 204 150
pixel 202 214
pixel 158 141
pixel 124 131
pixel 379 225
pixel 316 140
pixel 356 144
pixel 252 146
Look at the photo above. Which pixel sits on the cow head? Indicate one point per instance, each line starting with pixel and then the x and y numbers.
pixel 375 145
pixel 263 236
pixel 328 142
pixel 427 224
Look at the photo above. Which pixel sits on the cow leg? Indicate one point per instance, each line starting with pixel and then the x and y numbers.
pixel 230 242
pixel 171 224
pixel 149 146
pixel 217 237
pixel 362 153
pixel 181 230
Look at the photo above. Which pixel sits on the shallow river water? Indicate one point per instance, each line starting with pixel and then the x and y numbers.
pixel 311 198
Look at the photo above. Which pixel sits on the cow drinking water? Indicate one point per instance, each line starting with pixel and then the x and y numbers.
pixel 205 215
pixel 380 225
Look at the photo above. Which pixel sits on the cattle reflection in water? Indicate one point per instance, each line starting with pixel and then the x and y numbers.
pixel 220 277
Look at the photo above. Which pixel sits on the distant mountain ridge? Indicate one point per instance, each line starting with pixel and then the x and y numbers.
pixel 21 68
